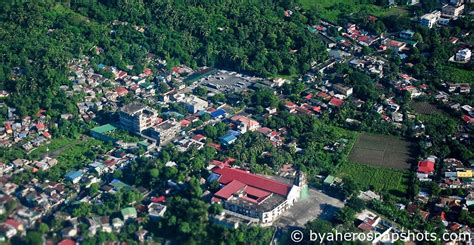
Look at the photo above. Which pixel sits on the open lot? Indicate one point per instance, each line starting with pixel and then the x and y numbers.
pixel 317 204
pixel 382 151
pixel 425 108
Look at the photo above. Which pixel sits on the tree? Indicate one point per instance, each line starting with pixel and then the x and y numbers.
pixel 81 210
pixel 349 187
pixel 356 203
pixel 200 91
pixel 43 228
pixel 93 189
pixel 345 215
pixel 319 226
pixel 33 238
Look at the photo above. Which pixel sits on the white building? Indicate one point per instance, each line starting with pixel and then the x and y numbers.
pixel 429 20
pixel 463 55
pixel 194 104
pixel 156 210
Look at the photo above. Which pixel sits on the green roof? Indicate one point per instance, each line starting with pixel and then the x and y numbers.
pixel 117 184
pixel 104 128
pixel 329 180
pixel 130 211
pixel 200 74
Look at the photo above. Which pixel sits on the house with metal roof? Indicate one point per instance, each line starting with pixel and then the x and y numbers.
pixel 74 176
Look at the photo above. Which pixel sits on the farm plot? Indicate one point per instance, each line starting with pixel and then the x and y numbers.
pixel 382 151
pixel 425 108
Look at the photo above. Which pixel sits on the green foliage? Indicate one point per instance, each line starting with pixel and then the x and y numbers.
pixel 264 98
pixel 333 10
pixel 345 215
pixel 215 131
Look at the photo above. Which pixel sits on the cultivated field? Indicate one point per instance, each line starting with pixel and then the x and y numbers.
pixel 425 108
pixel 382 151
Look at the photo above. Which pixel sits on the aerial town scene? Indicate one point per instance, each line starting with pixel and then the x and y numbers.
pixel 236 122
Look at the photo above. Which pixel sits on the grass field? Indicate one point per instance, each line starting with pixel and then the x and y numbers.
pixel 331 9
pixel 394 181
pixel 381 151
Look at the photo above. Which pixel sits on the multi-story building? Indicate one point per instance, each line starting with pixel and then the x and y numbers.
pixel 164 131
pixel 452 11
pixel 245 124
pixel 342 89
pixel 194 104
pixel 136 117
pixel 253 197
pixel 429 20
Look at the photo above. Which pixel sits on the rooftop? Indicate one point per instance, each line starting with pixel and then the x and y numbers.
pixel 228 175
pixel 133 107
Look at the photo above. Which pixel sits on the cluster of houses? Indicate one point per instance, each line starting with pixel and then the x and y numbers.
pixel 25 205
pixel 29 132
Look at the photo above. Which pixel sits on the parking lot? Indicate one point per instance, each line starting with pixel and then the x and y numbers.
pixel 317 204
pixel 224 81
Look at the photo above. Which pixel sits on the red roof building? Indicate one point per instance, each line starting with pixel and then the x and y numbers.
pixel 227 175
pixel 147 72
pixel 336 102
pixel 467 119
pixel 47 135
pixel 159 199
pixel 121 75
pixel 199 137
pixel 40 126
pixel 185 123
pixel 67 242
pixel 15 224
pixel 215 146
pixel 251 195
pixel 121 91
pixel 426 166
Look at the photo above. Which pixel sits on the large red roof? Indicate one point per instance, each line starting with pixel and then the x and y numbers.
pixel 230 189
pixel 426 166
pixel 227 175
pixel 336 102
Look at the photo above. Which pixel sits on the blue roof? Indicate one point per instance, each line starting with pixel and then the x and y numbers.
pixel 73 174
pixel 228 138
pixel 218 113
pixel 101 66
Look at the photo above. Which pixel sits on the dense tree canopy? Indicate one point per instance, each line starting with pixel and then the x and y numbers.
pixel 244 36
